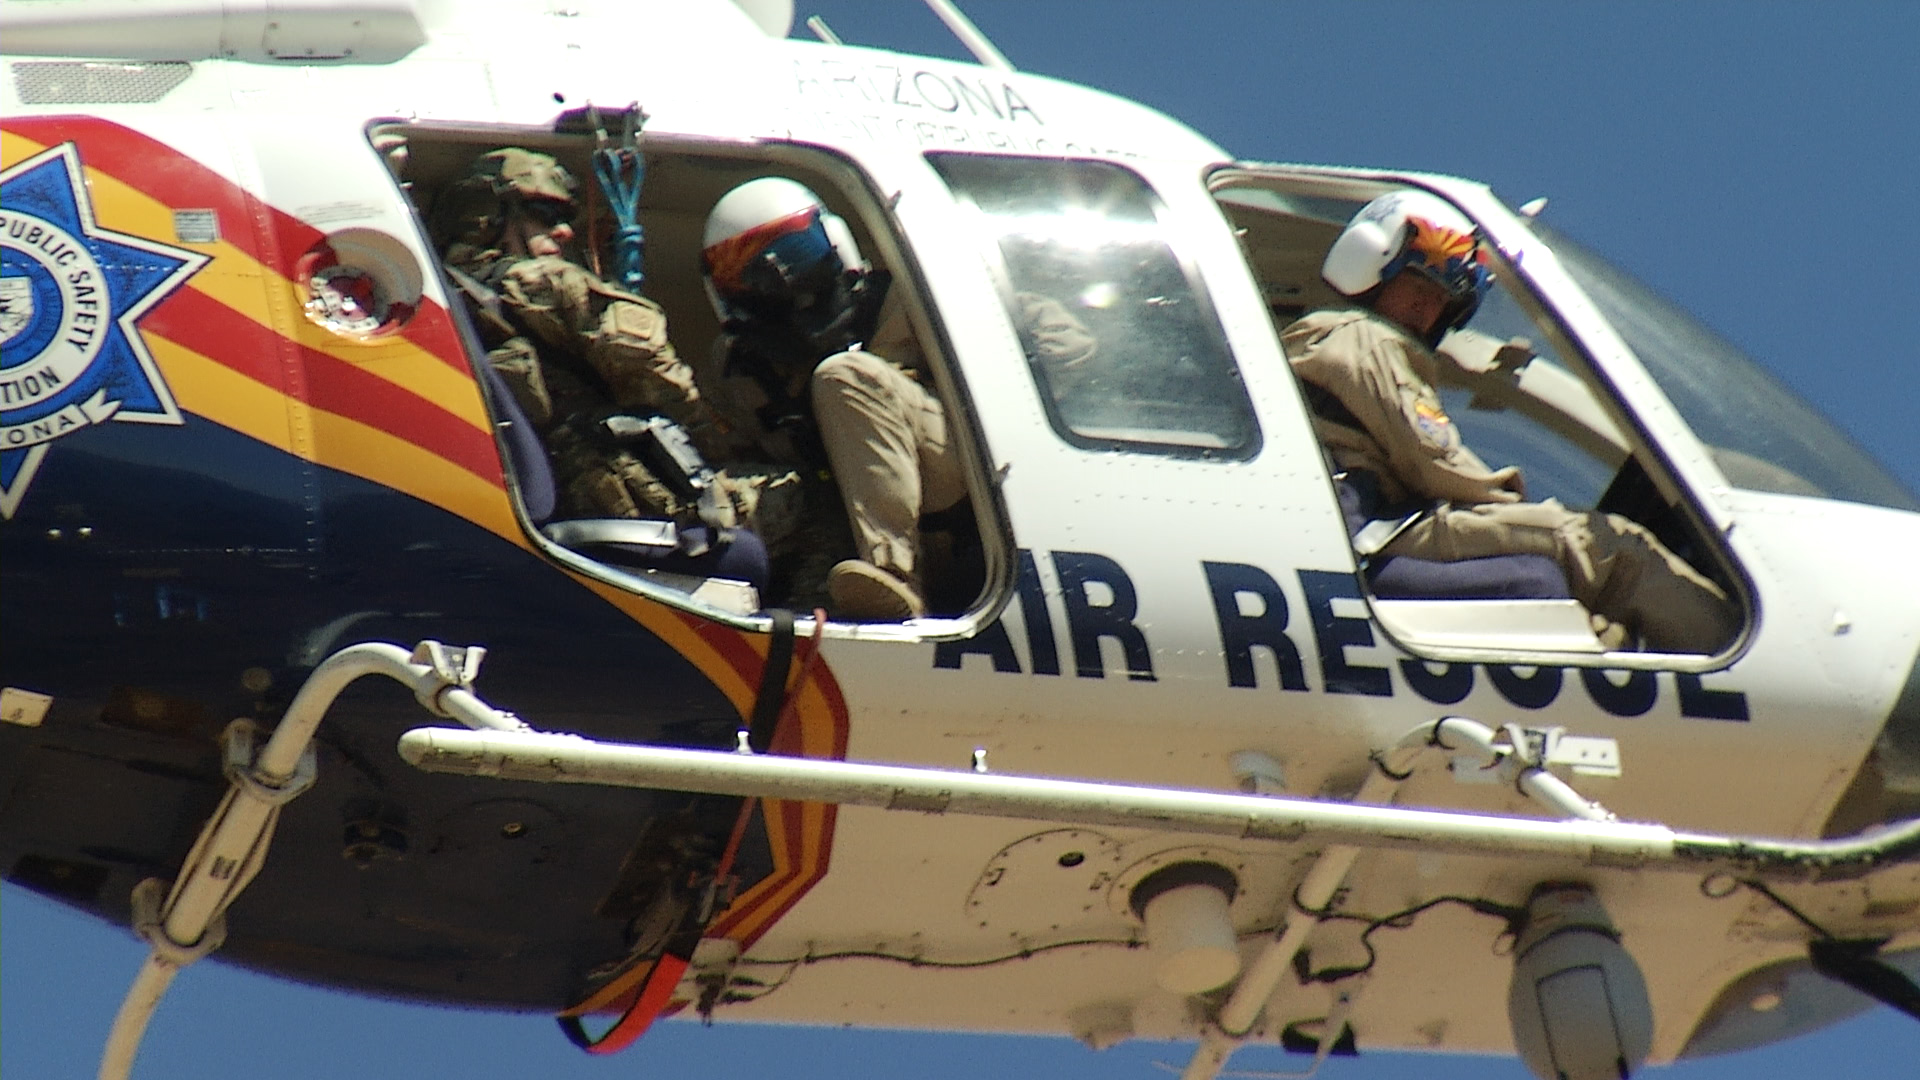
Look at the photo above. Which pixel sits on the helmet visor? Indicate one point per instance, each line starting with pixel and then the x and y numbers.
pixel 780 270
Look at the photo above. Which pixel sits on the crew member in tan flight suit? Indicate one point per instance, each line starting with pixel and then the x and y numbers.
pixel 822 378
pixel 1415 266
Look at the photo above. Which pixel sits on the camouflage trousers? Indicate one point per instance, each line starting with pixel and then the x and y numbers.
pixel 802 561
pixel 597 481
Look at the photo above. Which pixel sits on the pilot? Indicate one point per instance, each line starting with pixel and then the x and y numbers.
pixel 575 351
pixel 1415 268
pixel 799 305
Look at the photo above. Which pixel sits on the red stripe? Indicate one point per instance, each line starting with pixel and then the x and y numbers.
pixel 432 329
pixel 150 166
pixel 222 334
pixel 812 878
pixel 726 260
pixel 159 170
pixel 738 654
pixel 190 317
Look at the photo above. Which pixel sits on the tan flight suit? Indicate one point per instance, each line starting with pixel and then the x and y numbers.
pixel 622 338
pixel 886 440
pixel 1615 567
pixel 1056 340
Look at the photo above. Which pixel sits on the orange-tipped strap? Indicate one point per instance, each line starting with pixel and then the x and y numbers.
pixel 647 1006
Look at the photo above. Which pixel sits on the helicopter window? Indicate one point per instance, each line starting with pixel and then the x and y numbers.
pixel 1519 392
pixel 1122 338
pixel 1527 406
pixel 1763 437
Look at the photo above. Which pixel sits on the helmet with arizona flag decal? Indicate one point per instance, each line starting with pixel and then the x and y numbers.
pixel 1417 231
pixel 773 254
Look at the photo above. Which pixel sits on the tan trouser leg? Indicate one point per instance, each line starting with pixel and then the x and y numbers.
pixel 1614 566
pixel 886 438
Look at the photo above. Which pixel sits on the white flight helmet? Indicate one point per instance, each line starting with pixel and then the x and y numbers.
pixel 1412 230
pixel 773 249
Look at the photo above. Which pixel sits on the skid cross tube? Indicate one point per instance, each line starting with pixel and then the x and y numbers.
pixel 571 759
pixel 186 921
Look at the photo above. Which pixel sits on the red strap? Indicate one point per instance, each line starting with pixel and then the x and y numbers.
pixel 647 1006
pixel 657 992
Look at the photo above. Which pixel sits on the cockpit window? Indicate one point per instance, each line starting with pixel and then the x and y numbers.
pixel 1122 338
pixel 1505 405
pixel 1763 437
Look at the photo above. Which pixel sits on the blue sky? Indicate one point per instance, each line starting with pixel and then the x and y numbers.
pixel 1756 163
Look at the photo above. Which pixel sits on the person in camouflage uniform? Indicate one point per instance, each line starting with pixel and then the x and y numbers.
pixel 575 350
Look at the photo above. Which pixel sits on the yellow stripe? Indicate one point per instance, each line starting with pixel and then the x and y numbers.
pixel 762 902
pixel 256 290
pixel 241 282
pixel 15 149
pixel 211 389
pixel 365 451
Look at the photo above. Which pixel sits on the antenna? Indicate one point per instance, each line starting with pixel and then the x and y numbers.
pixel 969 35
pixel 822 31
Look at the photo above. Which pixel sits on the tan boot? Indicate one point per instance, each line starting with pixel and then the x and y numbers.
pixel 864 592
pixel 1614 637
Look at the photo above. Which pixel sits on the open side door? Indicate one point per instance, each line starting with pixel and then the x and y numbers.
pixel 1526 387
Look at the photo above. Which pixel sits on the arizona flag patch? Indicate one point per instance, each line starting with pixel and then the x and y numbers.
pixel 71 294
pixel 1433 422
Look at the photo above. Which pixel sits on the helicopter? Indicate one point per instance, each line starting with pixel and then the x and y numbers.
pixel 1268 208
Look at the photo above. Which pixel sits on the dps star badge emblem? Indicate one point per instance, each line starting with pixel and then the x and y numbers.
pixel 71 297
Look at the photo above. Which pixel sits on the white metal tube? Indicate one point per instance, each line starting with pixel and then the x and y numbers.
pixel 1460 736
pixel 571 759
pixel 1263 976
pixel 230 849
pixel 822 31
pixel 969 35
pixel 1464 736
pixel 130 1023
pixel 1316 889
pixel 233 844
pixel 1557 795
pixel 295 730
pixel 575 760
pixel 240 829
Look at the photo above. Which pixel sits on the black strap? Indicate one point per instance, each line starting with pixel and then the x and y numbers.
pixel 773 682
pixel 1857 963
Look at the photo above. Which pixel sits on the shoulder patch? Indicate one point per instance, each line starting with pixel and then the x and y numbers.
pixel 1434 422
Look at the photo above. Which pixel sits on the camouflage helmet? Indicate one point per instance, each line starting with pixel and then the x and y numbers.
pixel 527 173
pixel 473 209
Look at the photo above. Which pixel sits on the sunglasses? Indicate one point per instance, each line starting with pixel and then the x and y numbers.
pixel 546 213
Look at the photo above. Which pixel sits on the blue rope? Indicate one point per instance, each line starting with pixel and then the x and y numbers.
pixel 621 172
